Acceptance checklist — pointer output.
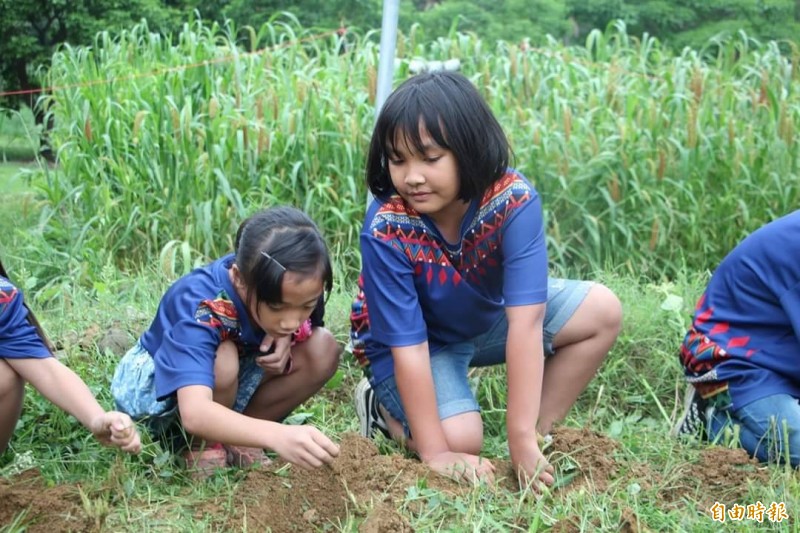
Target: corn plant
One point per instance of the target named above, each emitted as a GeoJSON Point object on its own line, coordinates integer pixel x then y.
{"type": "Point", "coordinates": [184, 139]}
{"type": "Point", "coordinates": [646, 161]}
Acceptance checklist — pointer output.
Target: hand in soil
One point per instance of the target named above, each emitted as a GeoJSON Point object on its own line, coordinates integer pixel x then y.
{"type": "Point", "coordinates": [305, 446]}
{"type": "Point", "coordinates": [277, 354]}
{"type": "Point", "coordinates": [463, 467]}
{"type": "Point", "coordinates": [533, 469]}
{"type": "Point", "coordinates": [117, 429]}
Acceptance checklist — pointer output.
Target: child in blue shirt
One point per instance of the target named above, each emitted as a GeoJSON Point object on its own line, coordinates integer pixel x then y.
{"type": "Point", "coordinates": [742, 354]}
{"type": "Point", "coordinates": [235, 346]}
{"type": "Point", "coordinates": [26, 356]}
{"type": "Point", "coordinates": [454, 274]}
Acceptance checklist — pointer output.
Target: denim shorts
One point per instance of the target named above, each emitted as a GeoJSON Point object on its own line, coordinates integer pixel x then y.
{"type": "Point", "coordinates": [761, 428]}
{"type": "Point", "coordinates": [134, 391]}
{"type": "Point", "coordinates": [450, 365]}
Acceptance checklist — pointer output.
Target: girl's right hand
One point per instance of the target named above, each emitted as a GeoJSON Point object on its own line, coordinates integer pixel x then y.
{"type": "Point", "coordinates": [462, 467]}
{"type": "Point", "coordinates": [278, 361]}
{"type": "Point", "coordinates": [113, 428]}
{"type": "Point", "coordinates": [305, 446]}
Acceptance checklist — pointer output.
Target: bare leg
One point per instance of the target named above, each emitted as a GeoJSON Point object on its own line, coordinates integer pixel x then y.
{"type": "Point", "coordinates": [226, 382]}
{"type": "Point", "coordinates": [314, 363]}
{"type": "Point", "coordinates": [464, 432]}
{"type": "Point", "coordinates": [580, 348]}
{"type": "Point", "coordinates": [12, 391]}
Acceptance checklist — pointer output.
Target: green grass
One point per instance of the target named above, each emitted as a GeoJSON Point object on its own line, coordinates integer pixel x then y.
{"type": "Point", "coordinates": [632, 401]}
{"type": "Point", "coordinates": [19, 211]}
{"type": "Point", "coordinates": [16, 150]}
{"type": "Point", "coordinates": [11, 179]}
{"type": "Point", "coordinates": [18, 137]}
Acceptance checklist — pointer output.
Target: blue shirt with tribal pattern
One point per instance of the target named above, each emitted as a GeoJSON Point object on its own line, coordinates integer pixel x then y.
{"type": "Point", "coordinates": [416, 287]}
{"type": "Point", "coordinates": [745, 336]}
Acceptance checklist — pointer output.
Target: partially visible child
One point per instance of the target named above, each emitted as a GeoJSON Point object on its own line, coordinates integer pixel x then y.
{"type": "Point", "coordinates": [742, 354]}
{"type": "Point", "coordinates": [454, 274]}
{"type": "Point", "coordinates": [235, 346]}
{"type": "Point", "coordinates": [26, 356]}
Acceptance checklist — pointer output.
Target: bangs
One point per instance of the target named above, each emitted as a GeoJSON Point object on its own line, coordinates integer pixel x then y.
{"type": "Point", "coordinates": [298, 250]}
{"type": "Point", "coordinates": [270, 284]}
{"type": "Point", "coordinates": [402, 129]}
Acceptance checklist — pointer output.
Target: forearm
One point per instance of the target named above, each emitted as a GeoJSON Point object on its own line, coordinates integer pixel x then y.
{"type": "Point", "coordinates": [525, 362]}
{"type": "Point", "coordinates": [208, 420]}
{"type": "Point", "coordinates": [524, 391]}
{"type": "Point", "coordinates": [415, 385]}
{"type": "Point", "coordinates": [60, 385]}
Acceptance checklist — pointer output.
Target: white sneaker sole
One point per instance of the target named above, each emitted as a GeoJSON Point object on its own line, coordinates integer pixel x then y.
{"type": "Point", "coordinates": [362, 409]}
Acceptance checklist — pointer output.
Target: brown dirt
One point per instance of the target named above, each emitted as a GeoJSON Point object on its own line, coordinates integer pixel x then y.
{"type": "Point", "coordinates": [370, 487]}
{"type": "Point", "coordinates": [46, 509]}
{"type": "Point", "coordinates": [385, 519]}
{"type": "Point", "coordinates": [584, 454]}
{"type": "Point", "coordinates": [360, 482]}
{"type": "Point", "coordinates": [721, 475]}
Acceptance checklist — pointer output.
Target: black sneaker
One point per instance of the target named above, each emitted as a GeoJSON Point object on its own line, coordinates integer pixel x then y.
{"type": "Point", "coordinates": [368, 413]}
{"type": "Point", "coordinates": [694, 420]}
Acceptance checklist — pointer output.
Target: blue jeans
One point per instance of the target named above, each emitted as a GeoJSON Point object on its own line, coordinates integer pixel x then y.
{"type": "Point", "coordinates": [450, 365]}
{"type": "Point", "coordinates": [761, 428]}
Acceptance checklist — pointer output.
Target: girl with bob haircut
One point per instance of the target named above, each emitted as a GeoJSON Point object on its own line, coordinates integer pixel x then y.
{"type": "Point", "coordinates": [235, 346]}
{"type": "Point", "coordinates": [454, 275]}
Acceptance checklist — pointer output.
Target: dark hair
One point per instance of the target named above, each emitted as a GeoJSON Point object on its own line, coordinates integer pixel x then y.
{"type": "Point", "coordinates": [456, 117]}
{"type": "Point", "coordinates": [277, 240]}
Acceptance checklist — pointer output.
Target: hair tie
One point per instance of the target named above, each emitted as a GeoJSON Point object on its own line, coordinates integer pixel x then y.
{"type": "Point", "coordinates": [273, 260]}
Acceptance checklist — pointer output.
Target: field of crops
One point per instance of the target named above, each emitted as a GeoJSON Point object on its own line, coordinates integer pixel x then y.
{"type": "Point", "coordinates": [648, 163]}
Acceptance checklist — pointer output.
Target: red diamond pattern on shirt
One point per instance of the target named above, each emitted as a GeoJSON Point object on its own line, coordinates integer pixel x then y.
{"type": "Point", "coordinates": [737, 342]}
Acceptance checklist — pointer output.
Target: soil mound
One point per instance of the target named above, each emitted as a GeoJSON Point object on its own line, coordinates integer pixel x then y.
{"type": "Point", "coordinates": [27, 499]}
{"type": "Point", "coordinates": [367, 488]}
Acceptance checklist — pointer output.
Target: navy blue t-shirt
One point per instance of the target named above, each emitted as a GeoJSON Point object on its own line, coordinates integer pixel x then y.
{"type": "Point", "coordinates": [745, 337]}
{"type": "Point", "coordinates": [18, 338]}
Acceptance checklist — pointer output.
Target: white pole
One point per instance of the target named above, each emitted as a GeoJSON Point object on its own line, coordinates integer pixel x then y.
{"type": "Point", "coordinates": [391, 13]}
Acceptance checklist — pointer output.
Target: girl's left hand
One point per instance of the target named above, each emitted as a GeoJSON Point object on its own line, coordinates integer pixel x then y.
{"type": "Point", "coordinates": [279, 361]}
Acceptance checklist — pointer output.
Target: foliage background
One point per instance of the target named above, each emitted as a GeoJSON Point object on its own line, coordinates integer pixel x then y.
{"type": "Point", "coordinates": [649, 162]}
{"type": "Point", "coordinates": [33, 29]}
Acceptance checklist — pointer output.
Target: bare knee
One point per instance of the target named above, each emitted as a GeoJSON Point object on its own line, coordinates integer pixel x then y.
{"type": "Point", "coordinates": [464, 432]}
{"type": "Point", "coordinates": [607, 310]}
{"type": "Point", "coordinates": [317, 357]}
{"type": "Point", "coordinates": [597, 320]}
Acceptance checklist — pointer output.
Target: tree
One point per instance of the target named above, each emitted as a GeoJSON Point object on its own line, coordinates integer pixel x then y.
{"type": "Point", "coordinates": [508, 20]}
{"type": "Point", "coordinates": [328, 14]}
{"type": "Point", "coordinates": [34, 28]}
{"type": "Point", "coordinates": [681, 23]}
